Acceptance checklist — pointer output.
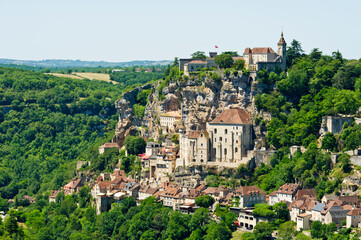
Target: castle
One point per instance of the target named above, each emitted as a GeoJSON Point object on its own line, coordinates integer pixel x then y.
{"type": "Point", "coordinates": [255, 59]}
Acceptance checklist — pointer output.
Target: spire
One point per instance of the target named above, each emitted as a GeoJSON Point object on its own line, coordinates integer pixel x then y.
{"type": "Point", "coordinates": [282, 40]}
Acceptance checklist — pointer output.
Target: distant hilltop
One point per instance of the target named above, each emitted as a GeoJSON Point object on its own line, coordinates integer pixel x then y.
{"type": "Point", "coordinates": [58, 63]}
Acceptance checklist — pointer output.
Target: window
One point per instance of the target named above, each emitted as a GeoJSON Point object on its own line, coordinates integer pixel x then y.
{"type": "Point", "coordinates": [201, 144]}
{"type": "Point", "coordinates": [220, 139]}
{"type": "Point", "coordinates": [201, 135]}
{"type": "Point", "coordinates": [225, 139]}
{"type": "Point", "coordinates": [225, 131]}
{"type": "Point", "coordinates": [215, 139]}
{"type": "Point", "coordinates": [215, 151]}
{"type": "Point", "coordinates": [215, 130]}
{"type": "Point", "coordinates": [225, 151]}
{"type": "Point", "coordinates": [202, 160]}
{"type": "Point", "coordinates": [236, 149]}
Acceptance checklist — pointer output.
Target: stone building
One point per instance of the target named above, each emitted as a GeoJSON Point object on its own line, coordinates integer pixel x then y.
{"type": "Point", "coordinates": [163, 163]}
{"type": "Point", "coordinates": [108, 146]}
{"type": "Point", "coordinates": [333, 124]}
{"type": "Point", "coordinates": [225, 143]}
{"type": "Point", "coordinates": [194, 147]}
{"type": "Point", "coordinates": [230, 136]}
{"type": "Point", "coordinates": [353, 218]}
{"type": "Point", "coordinates": [169, 120]}
{"type": "Point", "coordinates": [188, 65]}
{"type": "Point", "coordinates": [249, 196]}
{"type": "Point", "coordinates": [266, 58]}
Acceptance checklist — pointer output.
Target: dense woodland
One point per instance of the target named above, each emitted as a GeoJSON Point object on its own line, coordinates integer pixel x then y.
{"type": "Point", "coordinates": [48, 122]}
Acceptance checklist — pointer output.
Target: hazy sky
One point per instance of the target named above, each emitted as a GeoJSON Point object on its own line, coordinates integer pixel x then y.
{"type": "Point", "coordinates": [120, 30]}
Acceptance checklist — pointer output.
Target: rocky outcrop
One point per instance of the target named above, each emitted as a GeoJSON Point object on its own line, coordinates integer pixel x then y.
{"type": "Point", "coordinates": [200, 100]}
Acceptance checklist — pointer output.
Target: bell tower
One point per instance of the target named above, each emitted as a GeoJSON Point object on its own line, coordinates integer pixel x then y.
{"type": "Point", "coordinates": [282, 51]}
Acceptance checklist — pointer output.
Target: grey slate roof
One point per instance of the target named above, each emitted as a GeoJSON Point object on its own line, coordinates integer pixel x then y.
{"type": "Point", "coordinates": [319, 207]}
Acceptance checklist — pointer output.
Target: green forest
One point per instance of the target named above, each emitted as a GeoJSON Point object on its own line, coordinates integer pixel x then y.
{"type": "Point", "coordinates": [46, 124]}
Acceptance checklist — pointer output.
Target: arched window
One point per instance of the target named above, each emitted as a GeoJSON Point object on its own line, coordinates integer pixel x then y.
{"type": "Point", "coordinates": [236, 149]}
{"type": "Point", "coordinates": [225, 151]}
{"type": "Point", "coordinates": [220, 139]}
{"type": "Point", "coordinates": [225, 131]}
{"type": "Point", "coordinates": [215, 130]}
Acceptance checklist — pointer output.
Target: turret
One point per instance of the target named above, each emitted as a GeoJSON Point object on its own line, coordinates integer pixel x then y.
{"type": "Point", "coordinates": [282, 51]}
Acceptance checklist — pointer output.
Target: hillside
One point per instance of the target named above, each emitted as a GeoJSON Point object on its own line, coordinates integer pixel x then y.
{"type": "Point", "coordinates": [46, 123]}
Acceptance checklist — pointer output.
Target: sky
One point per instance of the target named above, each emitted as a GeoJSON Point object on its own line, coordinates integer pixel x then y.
{"type": "Point", "coordinates": [119, 30]}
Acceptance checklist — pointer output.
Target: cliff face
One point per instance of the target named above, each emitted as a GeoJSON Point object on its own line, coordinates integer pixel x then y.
{"type": "Point", "coordinates": [200, 101]}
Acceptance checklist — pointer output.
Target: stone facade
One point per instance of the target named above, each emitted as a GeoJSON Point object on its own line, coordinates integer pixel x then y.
{"type": "Point", "coordinates": [194, 147]}
{"type": "Point", "coordinates": [333, 124]}
{"type": "Point", "coordinates": [225, 143]}
{"type": "Point", "coordinates": [265, 58]}
{"type": "Point", "coordinates": [169, 119]}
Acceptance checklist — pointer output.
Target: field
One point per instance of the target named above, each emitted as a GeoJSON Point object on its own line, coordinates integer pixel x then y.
{"type": "Point", "coordinates": [91, 76]}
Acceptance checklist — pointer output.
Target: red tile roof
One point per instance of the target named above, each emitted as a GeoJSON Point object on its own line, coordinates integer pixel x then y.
{"type": "Point", "coordinates": [259, 50]}
{"type": "Point", "coordinates": [198, 62]}
{"type": "Point", "coordinates": [248, 190]}
{"type": "Point", "coordinates": [232, 116]}
{"type": "Point", "coordinates": [110, 145]}
{"type": "Point", "coordinates": [194, 134]}
{"type": "Point", "coordinates": [354, 212]}
{"type": "Point", "coordinates": [288, 188]}
{"type": "Point", "coordinates": [303, 193]}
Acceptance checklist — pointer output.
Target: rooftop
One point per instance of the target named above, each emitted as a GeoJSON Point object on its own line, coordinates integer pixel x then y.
{"type": "Point", "coordinates": [232, 116]}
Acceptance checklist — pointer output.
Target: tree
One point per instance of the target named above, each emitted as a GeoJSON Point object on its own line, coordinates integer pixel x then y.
{"type": "Point", "coordinates": [224, 60]}
{"type": "Point", "coordinates": [329, 142]}
{"type": "Point", "coordinates": [294, 51]}
{"type": "Point", "coordinates": [281, 210]}
{"type": "Point", "coordinates": [232, 53]}
{"type": "Point", "coordinates": [263, 230]}
{"type": "Point", "coordinates": [135, 145]}
{"type": "Point", "coordinates": [317, 230]}
{"type": "Point", "coordinates": [353, 140]}
{"type": "Point", "coordinates": [199, 219]}
{"type": "Point", "coordinates": [204, 201]}
{"type": "Point", "coordinates": [198, 55]}
{"type": "Point", "coordinates": [218, 232]}
{"type": "Point", "coordinates": [287, 231]}
{"type": "Point", "coordinates": [239, 64]}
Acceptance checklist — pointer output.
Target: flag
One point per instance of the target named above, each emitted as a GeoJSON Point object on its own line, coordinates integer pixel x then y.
{"type": "Point", "coordinates": [216, 46]}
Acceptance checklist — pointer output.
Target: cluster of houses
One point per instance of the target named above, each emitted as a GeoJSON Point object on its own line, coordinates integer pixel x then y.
{"type": "Point", "coordinates": [303, 206]}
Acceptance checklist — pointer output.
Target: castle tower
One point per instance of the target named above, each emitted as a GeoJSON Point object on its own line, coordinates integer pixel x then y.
{"type": "Point", "coordinates": [282, 51]}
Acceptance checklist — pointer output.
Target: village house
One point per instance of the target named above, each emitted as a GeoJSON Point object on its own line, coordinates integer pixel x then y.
{"type": "Point", "coordinates": [169, 120]}
{"type": "Point", "coordinates": [284, 193]}
{"type": "Point", "coordinates": [108, 146]}
{"type": "Point", "coordinates": [248, 196]}
{"type": "Point", "coordinates": [301, 206]}
{"type": "Point", "coordinates": [146, 191]}
{"type": "Point", "coordinates": [164, 163]}
{"type": "Point", "coordinates": [73, 186]}
{"type": "Point", "coordinates": [353, 218]}
{"type": "Point", "coordinates": [246, 220]}
{"type": "Point", "coordinates": [52, 196]}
